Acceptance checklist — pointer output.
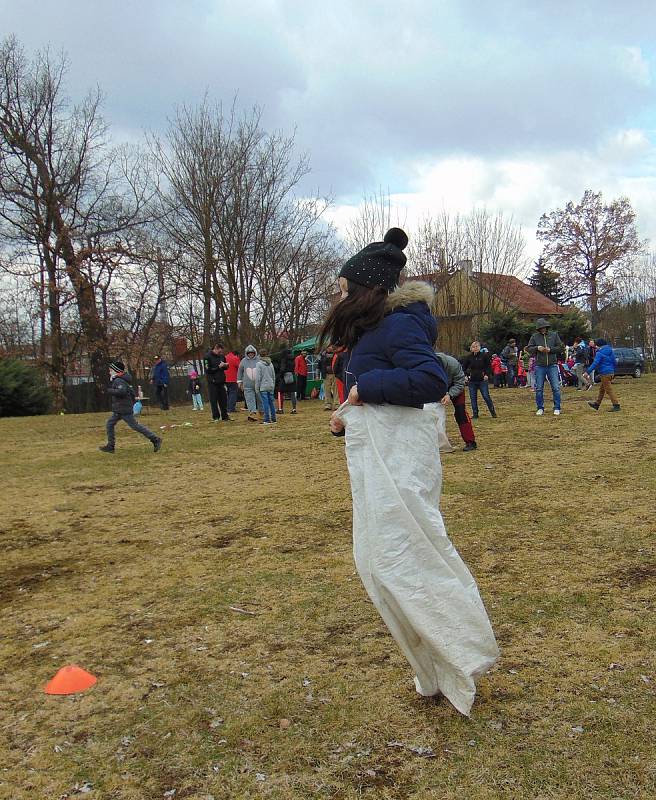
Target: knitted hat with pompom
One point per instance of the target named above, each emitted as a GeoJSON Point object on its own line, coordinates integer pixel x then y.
{"type": "Point", "coordinates": [379, 263]}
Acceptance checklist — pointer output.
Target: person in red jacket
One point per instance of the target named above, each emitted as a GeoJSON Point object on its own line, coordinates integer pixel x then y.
{"type": "Point", "coordinates": [339, 367]}
{"type": "Point", "coordinates": [231, 379]}
{"type": "Point", "coordinates": [301, 370]}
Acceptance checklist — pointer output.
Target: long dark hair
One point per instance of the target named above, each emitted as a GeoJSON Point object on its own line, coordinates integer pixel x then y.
{"type": "Point", "coordinates": [361, 310]}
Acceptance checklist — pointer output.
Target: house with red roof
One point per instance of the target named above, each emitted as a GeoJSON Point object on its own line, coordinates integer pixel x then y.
{"type": "Point", "coordinates": [465, 298]}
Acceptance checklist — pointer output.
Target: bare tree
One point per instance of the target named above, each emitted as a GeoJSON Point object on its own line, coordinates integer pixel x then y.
{"type": "Point", "coordinates": [374, 217]}
{"type": "Point", "coordinates": [64, 194]}
{"type": "Point", "coordinates": [592, 245]}
{"type": "Point", "coordinates": [230, 194]}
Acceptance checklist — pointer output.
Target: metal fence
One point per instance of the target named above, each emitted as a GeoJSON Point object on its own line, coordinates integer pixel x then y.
{"type": "Point", "coordinates": [80, 398]}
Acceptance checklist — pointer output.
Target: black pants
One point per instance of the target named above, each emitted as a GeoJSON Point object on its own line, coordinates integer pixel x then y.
{"type": "Point", "coordinates": [162, 393]}
{"type": "Point", "coordinates": [301, 383]}
{"type": "Point", "coordinates": [218, 399]}
{"type": "Point", "coordinates": [132, 422]}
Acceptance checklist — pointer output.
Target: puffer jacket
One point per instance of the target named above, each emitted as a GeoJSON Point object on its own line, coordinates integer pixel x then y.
{"type": "Point", "coordinates": [122, 394]}
{"type": "Point", "coordinates": [604, 361]}
{"type": "Point", "coordinates": [395, 362]}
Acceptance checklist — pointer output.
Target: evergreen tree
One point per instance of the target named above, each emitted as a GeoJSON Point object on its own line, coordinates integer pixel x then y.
{"type": "Point", "coordinates": [23, 391]}
{"type": "Point", "coordinates": [571, 324]}
{"type": "Point", "coordinates": [546, 281]}
{"type": "Point", "coordinates": [501, 326]}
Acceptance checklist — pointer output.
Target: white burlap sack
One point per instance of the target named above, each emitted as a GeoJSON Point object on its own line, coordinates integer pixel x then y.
{"type": "Point", "coordinates": [442, 436]}
{"type": "Point", "coordinates": [411, 571]}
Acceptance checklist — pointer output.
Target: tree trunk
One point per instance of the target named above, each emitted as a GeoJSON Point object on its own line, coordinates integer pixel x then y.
{"type": "Point", "coordinates": [93, 330]}
{"type": "Point", "coordinates": [56, 367]}
{"type": "Point", "coordinates": [594, 304]}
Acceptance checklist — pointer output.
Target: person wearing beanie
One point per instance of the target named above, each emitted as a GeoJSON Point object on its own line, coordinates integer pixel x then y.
{"type": "Point", "coordinates": [123, 398]}
{"type": "Point", "coordinates": [605, 364]}
{"type": "Point", "coordinates": [391, 421]}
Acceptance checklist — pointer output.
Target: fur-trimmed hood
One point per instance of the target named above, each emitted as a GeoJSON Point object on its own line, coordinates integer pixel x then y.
{"type": "Point", "coordinates": [411, 292]}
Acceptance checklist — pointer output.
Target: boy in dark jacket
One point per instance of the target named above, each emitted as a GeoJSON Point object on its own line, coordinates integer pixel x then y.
{"type": "Point", "coordinates": [122, 407]}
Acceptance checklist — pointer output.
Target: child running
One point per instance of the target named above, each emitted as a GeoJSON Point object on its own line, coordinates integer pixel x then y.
{"type": "Point", "coordinates": [413, 574]}
{"type": "Point", "coordinates": [122, 407]}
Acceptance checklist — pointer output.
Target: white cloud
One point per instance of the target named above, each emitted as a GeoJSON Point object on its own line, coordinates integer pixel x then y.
{"type": "Point", "coordinates": [633, 62]}
{"type": "Point", "coordinates": [526, 187]}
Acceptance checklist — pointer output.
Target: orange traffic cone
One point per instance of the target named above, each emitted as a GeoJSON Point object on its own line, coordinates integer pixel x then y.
{"type": "Point", "coordinates": [69, 680]}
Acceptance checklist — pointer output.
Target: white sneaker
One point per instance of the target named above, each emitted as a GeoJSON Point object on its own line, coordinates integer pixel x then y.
{"type": "Point", "coordinates": [556, 412]}
{"type": "Point", "coordinates": [539, 412]}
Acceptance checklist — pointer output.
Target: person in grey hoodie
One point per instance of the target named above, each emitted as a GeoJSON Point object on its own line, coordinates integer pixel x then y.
{"type": "Point", "coordinates": [246, 375]}
{"type": "Point", "coordinates": [265, 384]}
{"type": "Point", "coordinates": [456, 396]}
{"type": "Point", "coordinates": [546, 346]}
{"type": "Point", "coordinates": [122, 395]}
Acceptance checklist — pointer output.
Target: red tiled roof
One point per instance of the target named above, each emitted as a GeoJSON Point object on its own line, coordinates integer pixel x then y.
{"type": "Point", "coordinates": [518, 294]}
{"type": "Point", "coordinates": [511, 290]}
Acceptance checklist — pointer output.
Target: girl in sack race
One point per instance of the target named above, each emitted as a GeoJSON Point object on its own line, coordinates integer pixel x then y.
{"type": "Point", "coordinates": [394, 381]}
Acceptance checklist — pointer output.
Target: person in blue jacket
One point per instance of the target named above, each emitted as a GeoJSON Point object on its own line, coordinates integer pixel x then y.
{"type": "Point", "coordinates": [604, 364]}
{"type": "Point", "coordinates": [388, 330]}
{"type": "Point", "coordinates": [161, 380]}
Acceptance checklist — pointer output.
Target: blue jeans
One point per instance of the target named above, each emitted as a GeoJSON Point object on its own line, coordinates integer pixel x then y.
{"type": "Point", "coordinates": [269, 406]}
{"type": "Point", "coordinates": [551, 374]}
{"type": "Point", "coordinates": [197, 401]}
{"type": "Point", "coordinates": [483, 388]}
{"type": "Point", "coordinates": [510, 376]}
{"type": "Point", "coordinates": [232, 397]}
{"type": "Point", "coordinates": [132, 422]}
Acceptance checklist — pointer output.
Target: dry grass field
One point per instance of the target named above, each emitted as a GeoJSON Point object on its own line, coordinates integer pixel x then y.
{"type": "Point", "coordinates": [139, 566]}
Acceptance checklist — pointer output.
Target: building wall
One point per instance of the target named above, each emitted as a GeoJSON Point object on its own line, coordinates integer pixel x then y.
{"type": "Point", "coordinates": [650, 338]}
{"type": "Point", "coordinates": [461, 307]}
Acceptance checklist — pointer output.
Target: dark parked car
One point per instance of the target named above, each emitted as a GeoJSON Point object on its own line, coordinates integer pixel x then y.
{"type": "Point", "coordinates": [629, 361]}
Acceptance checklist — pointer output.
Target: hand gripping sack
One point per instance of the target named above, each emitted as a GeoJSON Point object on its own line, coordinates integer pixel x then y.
{"type": "Point", "coordinates": [413, 574]}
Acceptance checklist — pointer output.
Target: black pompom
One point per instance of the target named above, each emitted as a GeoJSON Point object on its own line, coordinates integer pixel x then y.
{"type": "Point", "coordinates": [396, 236]}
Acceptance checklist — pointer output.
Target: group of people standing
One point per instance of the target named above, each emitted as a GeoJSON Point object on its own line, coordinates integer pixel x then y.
{"type": "Point", "coordinates": [263, 387]}
{"type": "Point", "coordinates": [544, 359]}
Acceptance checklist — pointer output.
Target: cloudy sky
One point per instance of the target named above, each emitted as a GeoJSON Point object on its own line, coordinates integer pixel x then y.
{"type": "Point", "coordinates": [448, 104]}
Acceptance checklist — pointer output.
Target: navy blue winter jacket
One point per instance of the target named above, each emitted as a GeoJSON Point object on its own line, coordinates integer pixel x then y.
{"type": "Point", "coordinates": [395, 363]}
{"type": "Point", "coordinates": [604, 361]}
